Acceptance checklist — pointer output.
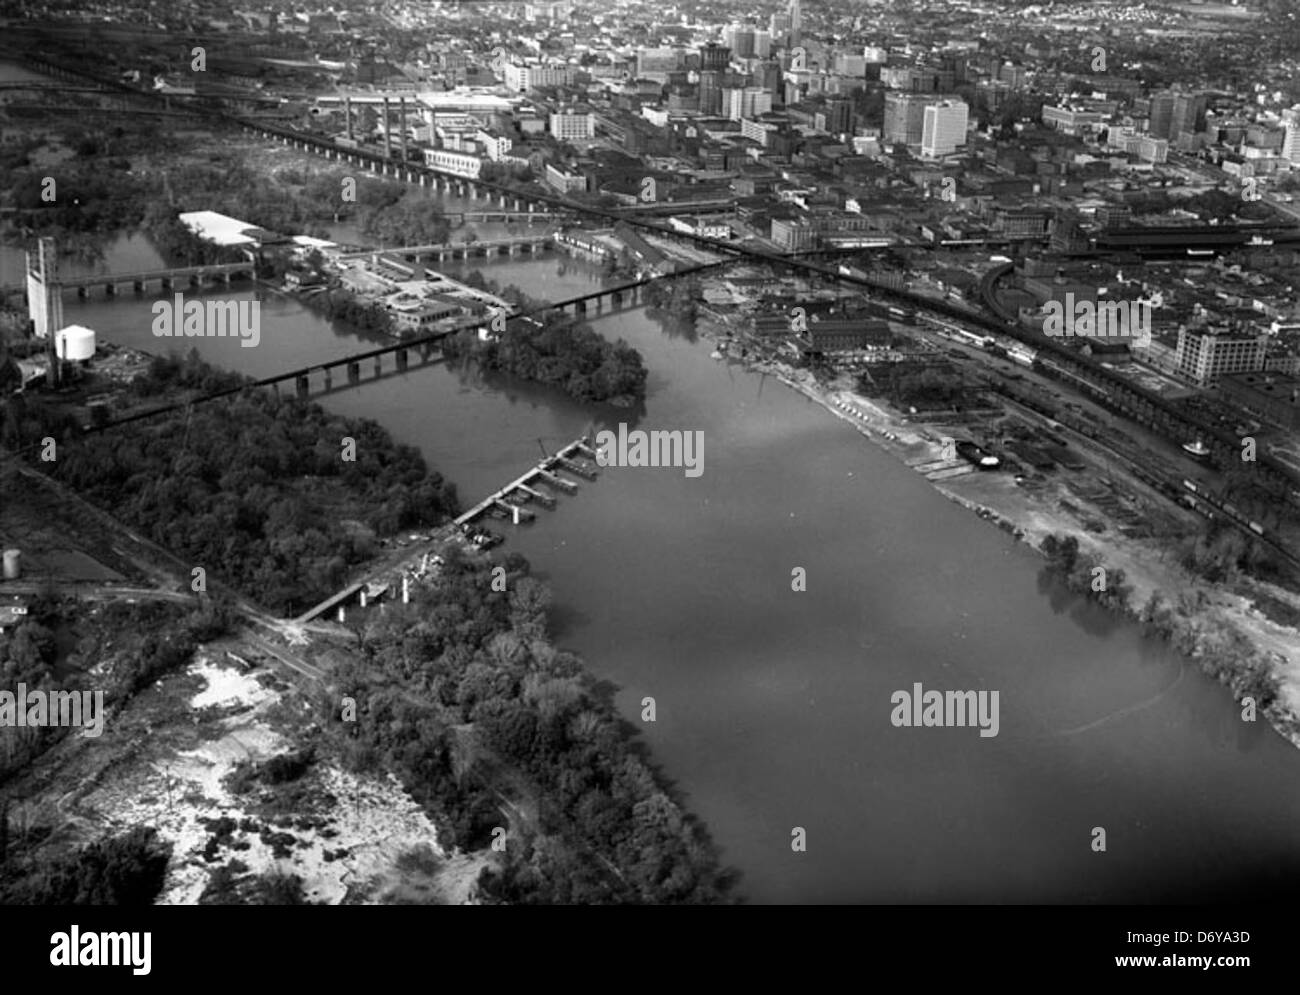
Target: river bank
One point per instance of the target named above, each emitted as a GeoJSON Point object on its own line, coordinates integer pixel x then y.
{"type": "Point", "coordinates": [1032, 515]}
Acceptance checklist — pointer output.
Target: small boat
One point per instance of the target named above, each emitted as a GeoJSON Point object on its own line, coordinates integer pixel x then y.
{"type": "Point", "coordinates": [715, 354]}
{"type": "Point", "coordinates": [1198, 449]}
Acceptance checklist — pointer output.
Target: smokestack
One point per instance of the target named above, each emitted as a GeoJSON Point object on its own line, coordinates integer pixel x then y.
{"type": "Point", "coordinates": [401, 123]}
{"type": "Point", "coordinates": [388, 151]}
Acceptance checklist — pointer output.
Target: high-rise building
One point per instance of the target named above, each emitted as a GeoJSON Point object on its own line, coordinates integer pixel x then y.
{"type": "Point", "coordinates": [796, 22]}
{"type": "Point", "coordinates": [1205, 355]}
{"type": "Point", "coordinates": [741, 39]}
{"type": "Point", "coordinates": [779, 27]}
{"type": "Point", "coordinates": [1013, 75]}
{"type": "Point", "coordinates": [1189, 114]}
{"type": "Point", "coordinates": [768, 76]}
{"type": "Point", "coordinates": [1161, 115]}
{"type": "Point", "coordinates": [762, 43]}
{"type": "Point", "coordinates": [905, 117]}
{"type": "Point", "coordinates": [714, 58]}
{"type": "Point", "coordinates": [943, 129]}
{"type": "Point", "coordinates": [839, 116]}
{"type": "Point", "coordinates": [747, 101]}
{"type": "Point", "coordinates": [1291, 137]}
{"type": "Point", "coordinates": [710, 92]}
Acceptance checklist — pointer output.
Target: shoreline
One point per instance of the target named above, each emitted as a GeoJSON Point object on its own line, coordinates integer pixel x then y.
{"type": "Point", "coordinates": [903, 440]}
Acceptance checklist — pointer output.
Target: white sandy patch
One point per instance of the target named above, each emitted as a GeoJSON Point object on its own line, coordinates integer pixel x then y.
{"type": "Point", "coordinates": [226, 686]}
{"type": "Point", "coordinates": [373, 820]}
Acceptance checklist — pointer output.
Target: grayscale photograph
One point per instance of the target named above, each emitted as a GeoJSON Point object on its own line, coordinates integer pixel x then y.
{"type": "Point", "coordinates": [605, 452]}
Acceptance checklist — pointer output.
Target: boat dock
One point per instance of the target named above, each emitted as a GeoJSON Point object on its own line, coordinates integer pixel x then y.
{"type": "Point", "coordinates": [511, 498]}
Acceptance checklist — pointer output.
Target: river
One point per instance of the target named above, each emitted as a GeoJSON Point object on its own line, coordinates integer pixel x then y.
{"type": "Point", "coordinates": [772, 705]}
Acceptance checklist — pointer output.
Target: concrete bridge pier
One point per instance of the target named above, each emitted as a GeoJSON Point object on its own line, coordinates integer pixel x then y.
{"type": "Point", "coordinates": [354, 373]}
{"type": "Point", "coordinates": [304, 386]}
{"type": "Point", "coordinates": [401, 359]}
{"type": "Point", "coordinates": [379, 365]}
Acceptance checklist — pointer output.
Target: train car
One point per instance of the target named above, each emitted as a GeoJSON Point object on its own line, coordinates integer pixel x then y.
{"type": "Point", "coordinates": [1257, 528]}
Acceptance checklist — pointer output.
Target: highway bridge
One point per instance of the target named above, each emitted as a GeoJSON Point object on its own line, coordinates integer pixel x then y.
{"type": "Point", "coordinates": [166, 278]}
{"type": "Point", "coordinates": [1112, 389]}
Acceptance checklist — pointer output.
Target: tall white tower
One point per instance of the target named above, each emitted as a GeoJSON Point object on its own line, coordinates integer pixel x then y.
{"type": "Point", "coordinates": [44, 298]}
{"type": "Point", "coordinates": [1291, 141]}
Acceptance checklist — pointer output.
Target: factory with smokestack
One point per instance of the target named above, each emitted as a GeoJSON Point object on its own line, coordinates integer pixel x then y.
{"type": "Point", "coordinates": [67, 347]}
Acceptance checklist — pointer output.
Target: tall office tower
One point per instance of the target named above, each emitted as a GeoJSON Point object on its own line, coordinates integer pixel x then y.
{"type": "Point", "coordinates": [714, 58]}
{"type": "Point", "coordinates": [44, 298]}
{"type": "Point", "coordinates": [796, 22]}
{"type": "Point", "coordinates": [762, 43]}
{"type": "Point", "coordinates": [743, 102]}
{"type": "Point", "coordinates": [1291, 141]}
{"type": "Point", "coordinates": [943, 131]}
{"type": "Point", "coordinates": [1162, 114]}
{"type": "Point", "coordinates": [839, 115]}
{"type": "Point", "coordinates": [778, 25]}
{"type": "Point", "coordinates": [1189, 114]}
{"type": "Point", "coordinates": [1012, 74]}
{"type": "Point", "coordinates": [710, 92]}
{"type": "Point", "coordinates": [768, 76]}
{"type": "Point", "coordinates": [905, 117]}
{"type": "Point", "coordinates": [741, 39]}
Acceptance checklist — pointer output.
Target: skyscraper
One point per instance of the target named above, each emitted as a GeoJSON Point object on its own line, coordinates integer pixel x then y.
{"type": "Point", "coordinates": [796, 22]}
{"type": "Point", "coordinates": [1162, 114]}
{"type": "Point", "coordinates": [714, 58]}
{"type": "Point", "coordinates": [710, 92]}
{"type": "Point", "coordinates": [905, 117]}
{"type": "Point", "coordinates": [1291, 138]}
{"type": "Point", "coordinates": [839, 115]}
{"type": "Point", "coordinates": [943, 131]}
{"type": "Point", "coordinates": [1189, 114]}
{"type": "Point", "coordinates": [741, 39]}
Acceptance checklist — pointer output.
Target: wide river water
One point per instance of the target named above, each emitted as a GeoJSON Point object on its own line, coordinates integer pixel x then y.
{"type": "Point", "coordinates": [773, 706]}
